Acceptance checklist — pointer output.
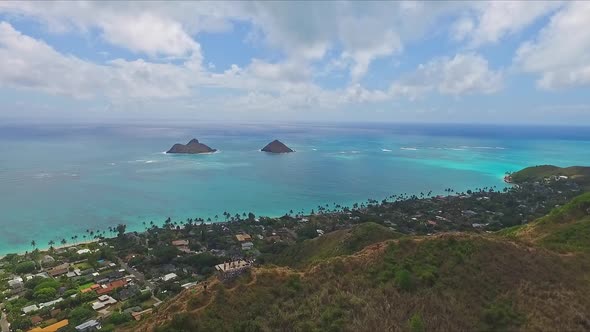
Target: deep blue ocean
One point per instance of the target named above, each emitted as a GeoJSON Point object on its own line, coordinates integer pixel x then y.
{"type": "Point", "coordinates": [58, 181]}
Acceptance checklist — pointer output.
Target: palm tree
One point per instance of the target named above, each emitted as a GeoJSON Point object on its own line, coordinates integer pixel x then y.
{"type": "Point", "coordinates": [33, 244]}
{"type": "Point", "coordinates": [63, 241]}
{"type": "Point", "coordinates": [51, 243]}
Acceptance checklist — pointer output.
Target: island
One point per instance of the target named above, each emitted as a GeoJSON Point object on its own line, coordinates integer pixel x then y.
{"type": "Point", "coordinates": [192, 147]}
{"type": "Point", "coordinates": [276, 146]}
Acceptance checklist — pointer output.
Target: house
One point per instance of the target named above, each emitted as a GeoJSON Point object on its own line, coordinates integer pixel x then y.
{"type": "Point", "coordinates": [50, 303]}
{"type": "Point", "coordinates": [36, 320]}
{"type": "Point", "coordinates": [83, 251]}
{"type": "Point", "coordinates": [52, 327]}
{"type": "Point", "coordinates": [180, 243]}
{"type": "Point", "coordinates": [30, 308]}
{"type": "Point", "coordinates": [103, 301]}
{"type": "Point", "coordinates": [169, 276]}
{"type": "Point", "coordinates": [247, 246]}
{"type": "Point", "coordinates": [89, 326]}
{"type": "Point", "coordinates": [243, 237]}
{"type": "Point", "coordinates": [16, 283]}
{"type": "Point", "coordinates": [104, 289]}
{"type": "Point", "coordinates": [469, 213]}
{"type": "Point", "coordinates": [59, 270]}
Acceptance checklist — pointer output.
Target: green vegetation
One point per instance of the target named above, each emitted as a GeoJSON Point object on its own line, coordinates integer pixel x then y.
{"type": "Point", "coordinates": [565, 229]}
{"type": "Point", "coordinates": [579, 174]}
{"type": "Point", "coordinates": [501, 316]}
{"type": "Point", "coordinates": [25, 267]}
{"type": "Point", "coordinates": [338, 243]}
{"type": "Point", "coordinates": [447, 282]}
{"type": "Point", "coordinates": [416, 324]}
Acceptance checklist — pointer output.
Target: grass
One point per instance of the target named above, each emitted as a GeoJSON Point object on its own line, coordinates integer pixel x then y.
{"type": "Point", "coordinates": [451, 282]}
{"type": "Point", "coordinates": [564, 229]}
{"type": "Point", "coordinates": [338, 243]}
{"type": "Point", "coordinates": [86, 285]}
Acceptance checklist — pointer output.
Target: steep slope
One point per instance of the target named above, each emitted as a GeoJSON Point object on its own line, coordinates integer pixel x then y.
{"type": "Point", "coordinates": [450, 282]}
{"type": "Point", "coordinates": [565, 229]}
{"type": "Point", "coordinates": [337, 243]}
{"type": "Point", "coordinates": [192, 147]}
{"type": "Point", "coordinates": [276, 146]}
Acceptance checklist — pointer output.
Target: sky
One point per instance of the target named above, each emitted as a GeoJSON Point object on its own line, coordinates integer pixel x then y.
{"type": "Point", "coordinates": [461, 62]}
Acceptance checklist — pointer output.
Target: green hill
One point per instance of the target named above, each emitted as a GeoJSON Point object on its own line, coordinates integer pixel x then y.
{"type": "Point", "coordinates": [337, 243]}
{"type": "Point", "coordinates": [565, 229]}
{"type": "Point", "coordinates": [447, 282]}
{"type": "Point", "coordinates": [579, 174]}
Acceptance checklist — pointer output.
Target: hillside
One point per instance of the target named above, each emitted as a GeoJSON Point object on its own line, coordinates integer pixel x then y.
{"type": "Point", "coordinates": [565, 229]}
{"type": "Point", "coordinates": [451, 282]}
{"type": "Point", "coordinates": [579, 174]}
{"type": "Point", "coordinates": [337, 243]}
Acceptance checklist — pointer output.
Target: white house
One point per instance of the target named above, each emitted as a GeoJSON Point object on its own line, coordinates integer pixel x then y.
{"type": "Point", "coordinates": [169, 277]}
{"type": "Point", "coordinates": [83, 251]}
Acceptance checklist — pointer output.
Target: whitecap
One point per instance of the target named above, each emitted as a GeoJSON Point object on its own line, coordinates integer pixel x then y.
{"type": "Point", "coordinates": [314, 149]}
{"type": "Point", "coordinates": [409, 149]}
{"type": "Point", "coordinates": [385, 150]}
{"type": "Point", "coordinates": [150, 161]}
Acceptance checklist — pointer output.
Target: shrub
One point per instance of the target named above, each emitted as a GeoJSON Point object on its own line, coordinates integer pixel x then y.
{"type": "Point", "coordinates": [403, 279]}
{"type": "Point", "coordinates": [416, 324]}
{"type": "Point", "coordinates": [500, 316]}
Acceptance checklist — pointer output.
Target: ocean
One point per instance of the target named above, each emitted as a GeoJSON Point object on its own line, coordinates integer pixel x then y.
{"type": "Point", "coordinates": [59, 181]}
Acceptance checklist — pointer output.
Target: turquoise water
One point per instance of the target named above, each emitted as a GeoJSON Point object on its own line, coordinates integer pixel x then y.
{"type": "Point", "coordinates": [57, 182]}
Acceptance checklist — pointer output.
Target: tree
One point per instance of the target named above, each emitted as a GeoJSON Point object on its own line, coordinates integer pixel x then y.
{"type": "Point", "coordinates": [51, 243]}
{"type": "Point", "coordinates": [63, 241]}
{"type": "Point", "coordinates": [33, 244]}
{"type": "Point", "coordinates": [25, 267]}
{"type": "Point", "coordinates": [121, 229]}
{"type": "Point", "coordinates": [45, 294]}
{"type": "Point", "coordinates": [80, 314]}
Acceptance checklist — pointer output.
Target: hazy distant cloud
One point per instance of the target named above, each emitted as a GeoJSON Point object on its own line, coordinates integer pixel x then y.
{"type": "Point", "coordinates": [461, 74]}
{"type": "Point", "coordinates": [488, 22]}
{"type": "Point", "coordinates": [561, 51]}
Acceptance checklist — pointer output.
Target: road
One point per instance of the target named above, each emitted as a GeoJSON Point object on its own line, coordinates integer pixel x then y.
{"type": "Point", "coordinates": [138, 275]}
{"type": "Point", "coordinates": [3, 323]}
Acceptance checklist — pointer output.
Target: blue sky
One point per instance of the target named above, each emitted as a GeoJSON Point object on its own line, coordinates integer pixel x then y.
{"type": "Point", "coordinates": [479, 62]}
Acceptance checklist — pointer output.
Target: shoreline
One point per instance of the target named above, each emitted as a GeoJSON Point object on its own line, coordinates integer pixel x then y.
{"type": "Point", "coordinates": [139, 228]}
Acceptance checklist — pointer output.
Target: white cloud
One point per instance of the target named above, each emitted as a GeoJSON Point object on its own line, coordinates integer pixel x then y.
{"type": "Point", "coordinates": [561, 51]}
{"type": "Point", "coordinates": [150, 34]}
{"type": "Point", "coordinates": [136, 28]}
{"type": "Point", "coordinates": [28, 63]}
{"type": "Point", "coordinates": [488, 22]}
{"type": "Point", "coordinates": [462, 74]}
